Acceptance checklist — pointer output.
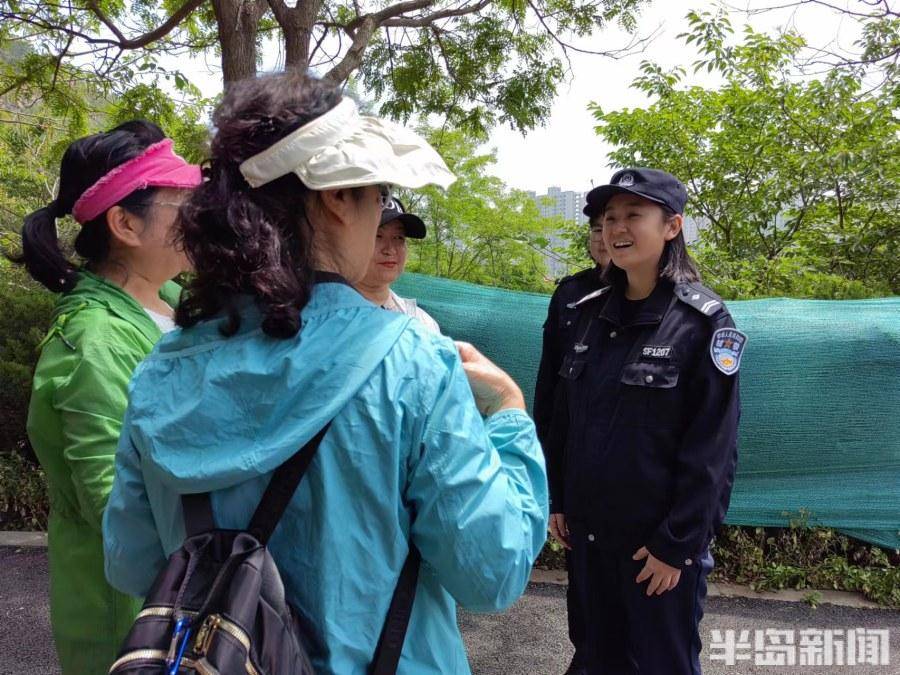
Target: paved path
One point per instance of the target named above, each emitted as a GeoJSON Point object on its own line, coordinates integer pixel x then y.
{"type": "Point", "coordinates": [530, 639]}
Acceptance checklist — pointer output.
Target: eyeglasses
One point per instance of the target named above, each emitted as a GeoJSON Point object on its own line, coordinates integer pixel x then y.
{"type": "Point", "coordinates": [384, 194]}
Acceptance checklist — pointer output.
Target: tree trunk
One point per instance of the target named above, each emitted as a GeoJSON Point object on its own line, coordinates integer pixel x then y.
{"type": "Point", "coordinates": [238, 22]}
{"type": "Point", "coordinates": [297, 24]}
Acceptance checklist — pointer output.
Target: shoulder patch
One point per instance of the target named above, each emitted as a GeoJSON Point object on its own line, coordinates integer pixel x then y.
{"type": "Point", "coordinates": [726, 348]}
{"type": "Point", "coordinates": [699, 297]}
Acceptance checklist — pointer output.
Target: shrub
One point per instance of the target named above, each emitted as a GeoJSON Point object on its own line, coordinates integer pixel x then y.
{"type": "Point", "coordinates": [25, 311]}
{"type": "Point", "coordinates": [23, 494]}
{"type": "Point", "coordinates": [805, 558]}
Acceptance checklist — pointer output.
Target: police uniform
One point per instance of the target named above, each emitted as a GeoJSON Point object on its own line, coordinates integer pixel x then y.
{"type": "Point", "coordinates": [650, 447]}
{"type": "Point", "coordinates": [559, 331]}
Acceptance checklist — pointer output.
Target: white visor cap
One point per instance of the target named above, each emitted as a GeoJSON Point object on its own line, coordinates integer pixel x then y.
{"type": "Point", "coordinates": [345, 149]}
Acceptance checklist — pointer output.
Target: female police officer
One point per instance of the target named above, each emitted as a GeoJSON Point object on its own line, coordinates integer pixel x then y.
{"type": "Point", "coordinates": [650, 431]}
{"type": "Point", "coordinates": [558, 332]}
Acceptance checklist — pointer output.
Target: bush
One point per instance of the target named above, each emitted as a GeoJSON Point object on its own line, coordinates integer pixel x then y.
{"type": "Point", "coordinates": [25, 312]}
{"type": "Point", "coordinates": [790, 277]}
{"type": "Point", "coordinates": [801, 558]}
{"type": "Point", "coordinates": [23, 494]}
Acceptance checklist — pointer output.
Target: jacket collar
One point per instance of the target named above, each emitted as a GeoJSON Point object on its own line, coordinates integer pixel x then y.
{"type": "Point", "coordinates": [94, 290]}
{"type": "Point", "coordinates": [652, 310]}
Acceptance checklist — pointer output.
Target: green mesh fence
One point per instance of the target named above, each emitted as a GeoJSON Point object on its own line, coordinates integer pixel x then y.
{"type": "Point", "coordinates": [820, 385]}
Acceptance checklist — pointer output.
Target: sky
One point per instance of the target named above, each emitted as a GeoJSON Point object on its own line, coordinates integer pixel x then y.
{"type": "Point", "coordinates": [566, 152]}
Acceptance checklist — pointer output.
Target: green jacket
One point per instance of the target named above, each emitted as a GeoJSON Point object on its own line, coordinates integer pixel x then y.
{"type": "Point", "coordinates": [98, 336]}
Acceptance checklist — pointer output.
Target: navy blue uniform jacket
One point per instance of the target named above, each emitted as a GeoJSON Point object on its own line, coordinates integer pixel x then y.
{"type": "Point", "coordinates": [559, 331]}
{"type": "Point", "coordinates": [645, 435]}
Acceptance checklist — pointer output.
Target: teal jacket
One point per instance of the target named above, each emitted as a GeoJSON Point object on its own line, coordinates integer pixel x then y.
{"type": "Point", "coordinates": [408, 458]}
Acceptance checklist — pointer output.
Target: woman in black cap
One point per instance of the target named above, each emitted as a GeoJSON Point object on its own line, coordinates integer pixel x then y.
{"type": "Point", "coordinates": [649, 435]}
{"type": "Point", "coordinates": [389, 260]}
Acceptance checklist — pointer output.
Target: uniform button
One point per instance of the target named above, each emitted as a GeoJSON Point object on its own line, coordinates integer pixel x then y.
{"type": "Point", "coordinates": [613, 334]}
{"type": "Point", "coordinates": [568, 323]}
{"type": "Point", "coordinates": [591, 537]}
{"type": "Point", "coordinates": [648, 379]}
{"type": "Point", "coordinates": [688, 562]}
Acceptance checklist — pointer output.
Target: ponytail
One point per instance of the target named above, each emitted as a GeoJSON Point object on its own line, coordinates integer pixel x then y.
{"type": "Point", "coordinates": [85, 162]}
{"type": "Point", "coordinates": [41, 253]}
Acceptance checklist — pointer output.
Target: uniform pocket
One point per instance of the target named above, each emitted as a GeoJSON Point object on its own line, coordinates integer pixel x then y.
{"type": "Point", "coordinates": [650, 375]}
{"type": "Point", "coordinates": [650, 395]}
{"type": "Point", "coordinates": [571, 368]}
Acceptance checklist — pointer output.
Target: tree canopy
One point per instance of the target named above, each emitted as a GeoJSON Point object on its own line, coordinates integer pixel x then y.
{"type": "Point", "coordinates": [794, 177]}
{"type": "Point", "coordinates": [475, 62]}
{"type": "Point", "coordinates": [479, 230]}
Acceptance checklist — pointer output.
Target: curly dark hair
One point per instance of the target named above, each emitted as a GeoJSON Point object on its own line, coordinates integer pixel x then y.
{"type": "Point", "coordinates": [252, 241]}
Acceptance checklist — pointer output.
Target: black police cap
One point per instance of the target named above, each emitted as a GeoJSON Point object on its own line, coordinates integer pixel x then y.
{"type": "Point", "coordinates": [413, 226]}
{"type": "Point", "coordinates": [653, 184]}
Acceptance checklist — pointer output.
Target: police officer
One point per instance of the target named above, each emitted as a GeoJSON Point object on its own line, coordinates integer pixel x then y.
{"type": "Point", "coordinates": [648, 434]}
{"type": "Point", "coordinates": [558, 331]}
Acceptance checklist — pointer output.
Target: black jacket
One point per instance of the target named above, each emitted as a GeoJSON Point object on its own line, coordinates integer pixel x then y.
{"type": "Point", "coordinates": [559, 329]}
{"type": "Point", "coordinates": [648, 430]}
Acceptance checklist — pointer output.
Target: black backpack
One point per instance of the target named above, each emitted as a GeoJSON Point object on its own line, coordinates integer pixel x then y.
{"type": "Point", "coordinates": [218, 606]}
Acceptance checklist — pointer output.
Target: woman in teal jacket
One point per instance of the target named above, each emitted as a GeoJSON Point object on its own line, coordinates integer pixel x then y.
{"type": "Point", "coordinates": [277, 344]}
{"type": "Point", "coordinates": [121, 187]}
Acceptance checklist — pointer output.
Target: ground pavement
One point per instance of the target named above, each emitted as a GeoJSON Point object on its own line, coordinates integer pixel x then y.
{"type": "Point", "coordinates": [530, 638]}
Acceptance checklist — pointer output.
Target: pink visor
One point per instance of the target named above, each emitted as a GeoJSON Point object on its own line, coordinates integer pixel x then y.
{"type": "Point", "coordinates": [157, 166]}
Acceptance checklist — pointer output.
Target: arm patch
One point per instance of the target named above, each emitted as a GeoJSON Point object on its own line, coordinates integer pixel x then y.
{"type": "Point", "coordinates": [726, 348]}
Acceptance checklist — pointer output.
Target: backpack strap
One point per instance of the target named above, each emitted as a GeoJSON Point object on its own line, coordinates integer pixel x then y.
{"type": "Point", "coordinates": [281, 489]}
{"type": "Point", "coordinates": [198, 514]}
{"type": "Point", "coordinates": [390, 644]}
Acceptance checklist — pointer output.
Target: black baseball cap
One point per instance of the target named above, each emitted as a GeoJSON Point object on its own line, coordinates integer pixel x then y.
{"type": "Point", "coordinates": [412, 224]}
{"type": "Point", "coordinates": [653, 184]}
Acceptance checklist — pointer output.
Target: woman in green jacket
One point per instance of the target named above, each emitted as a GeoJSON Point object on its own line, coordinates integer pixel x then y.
{"type": "Point", "coordinates": [124, 187]}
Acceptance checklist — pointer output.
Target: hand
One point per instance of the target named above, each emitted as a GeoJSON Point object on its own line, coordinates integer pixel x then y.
{"type": "Point", "coordinates": [559, 530]}
{"type": "Point", "coordinates": [493, 389]}
{"type": "Point", "coordinates": [662, 577]}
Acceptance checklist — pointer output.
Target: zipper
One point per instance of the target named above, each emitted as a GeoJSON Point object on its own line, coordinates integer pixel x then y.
{"type": "Point", "coordinates": [162, 611]}
{"type": "Point", "coordinates": [158, 655]}
{"type": "Point", "coordinates": [138, 655]}
{"type": "Point", "coordinates": [215, 622]}
{"type": "Point", "coordinates": [203, 641]}
{"type": "Point", "coordinates": [236, 632]}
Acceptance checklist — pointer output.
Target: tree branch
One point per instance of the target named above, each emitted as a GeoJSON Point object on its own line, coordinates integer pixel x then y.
{"type": "Point", "coordinates": [353, 58]}
{"type": "Point", "coordinates": [429, 19]}
{"type": "Point", "coordinates": [142, 41]}
{"type": "Point", "coordinates": [387, 13]}
{"type": "Point", "coordinates": [627, 50]}
{"type": "Point", "coordinates": [821, 3]}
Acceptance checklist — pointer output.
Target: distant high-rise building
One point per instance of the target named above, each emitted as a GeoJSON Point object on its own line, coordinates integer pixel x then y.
{"type": "Point", "coordinates": [563, 203]}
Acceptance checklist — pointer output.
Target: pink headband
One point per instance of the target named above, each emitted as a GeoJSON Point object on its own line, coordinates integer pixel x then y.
{"type": "Point", "coordinates": [157, 166]}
